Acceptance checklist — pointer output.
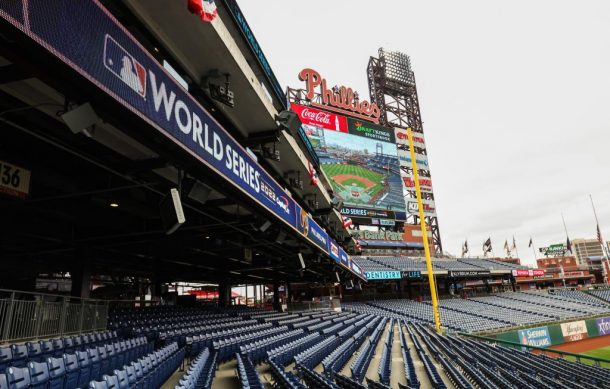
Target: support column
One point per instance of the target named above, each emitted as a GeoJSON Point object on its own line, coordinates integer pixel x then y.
{"type": "Point", "coordinates": [276, 296]}
{"type": "Point", "coordinates": [81, 276]}
{"type": "Point", "coordinates": [224, 294]}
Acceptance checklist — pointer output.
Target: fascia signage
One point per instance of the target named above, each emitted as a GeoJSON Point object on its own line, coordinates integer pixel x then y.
{"type": "Point", "coordinates": [260, 56]}
{"type": "Point", "coordinates": [428, 205]}
{"type": "Point", "coordinates": [14, 180]}
{"type": "Point", "coordinates": [378, 235]}
{"type": "Point", "coordinates": [322, 119]}
{"type": "Point", "coordinates": [356, 269]}
{"type": "Point", "coordinates": [369, 213]}
{"type": "Point", "coordinates": [311, 230]}
{"type": "Point", "coordinates": [369, 130]}
{"type": "Point", "coordinates": [333, 250]}
{"type": "Point", "coordinates": [107, 55]}
{"type": "Point", "coordinates": [527, 272]}
{"type": "Point", "coordinates": [468, 273]}
{"type": "Point", "coordinates": [537, 337]}
{"type": "Point", "coordinates": [344, 257]}
{"type": "Point", "coordinates": [382, 275]}
{"type": "Point", "coordinates": [411, 275]}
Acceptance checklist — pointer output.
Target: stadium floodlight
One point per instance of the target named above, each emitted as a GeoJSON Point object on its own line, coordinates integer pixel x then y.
{"type": "Point", "coordinates": [397, 66]}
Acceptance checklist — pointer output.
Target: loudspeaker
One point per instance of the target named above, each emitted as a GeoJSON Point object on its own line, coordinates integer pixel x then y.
{"type": "Point", "coordinates": [199, 192]}
{"type": "Point", "coordinates": [289, 120]}
{"type": "Point", "coordinates": [265, 226]}
{"type": "Point", "coordinates": [81, 118]}
{"type": "Point", "coordinates": [301, 260]}
{"type": "Point", "coordinates": [172, 214]}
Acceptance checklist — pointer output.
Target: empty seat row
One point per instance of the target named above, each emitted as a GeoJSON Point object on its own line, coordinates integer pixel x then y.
{"type": "Point", "coordinates": [200, 372]}
{"type": "Point", "coordinates": [248, 377]}
{"type": "Point", "coordinates": [19, 355]}
{"type": "Point", "coordinates": [75, 370]}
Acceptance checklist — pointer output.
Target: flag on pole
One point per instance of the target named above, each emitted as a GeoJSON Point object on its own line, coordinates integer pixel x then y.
{"type": "Point", "coordinates": [506, 248]}
{"type": "Point", "coordinates": [205, 9]}
{"type": "Point", "coordinates": [358, 246]}
{"type": "Point", "coordinates": [465, 248]}
{"type": "Point", "coordinates": [599, 236]}
{"type": "Point", "coordinates": [514, 244]}
{"type": "Point", "coordinates": [313, 175]}
{"type": "Point", "coordinates": [487, 246]}
{"type": "Point", "coordinates": [531, 243]}
{"type": "Point", "coordinates": [569, 245]}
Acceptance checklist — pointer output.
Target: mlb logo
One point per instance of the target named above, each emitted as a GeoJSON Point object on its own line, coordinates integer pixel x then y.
{"type": "Point", "coordinates": [124, 66]}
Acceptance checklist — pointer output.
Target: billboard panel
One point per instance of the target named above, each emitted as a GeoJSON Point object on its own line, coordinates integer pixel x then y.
{"type": "Point", "coordinates": [359, 158]}
{"type": "Point", "coordinates": [537, 337]}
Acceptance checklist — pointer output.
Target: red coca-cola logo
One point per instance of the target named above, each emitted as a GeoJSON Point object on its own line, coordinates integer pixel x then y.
{"type": "Point", "coordinates": [318, 118]}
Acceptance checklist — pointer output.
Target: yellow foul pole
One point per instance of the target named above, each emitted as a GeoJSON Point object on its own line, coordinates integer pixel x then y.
{"type": "Point", "coordinates": [424, 232]}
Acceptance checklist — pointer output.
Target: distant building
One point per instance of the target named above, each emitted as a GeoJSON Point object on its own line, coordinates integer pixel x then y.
{"type": "Point", "coordinates": [586, 248]}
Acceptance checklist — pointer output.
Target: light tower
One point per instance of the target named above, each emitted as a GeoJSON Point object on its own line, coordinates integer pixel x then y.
{"type": "Point", "coordinates": [392, 87]}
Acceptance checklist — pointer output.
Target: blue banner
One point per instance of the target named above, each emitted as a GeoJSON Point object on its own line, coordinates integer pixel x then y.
{"type": "Point", "coordinates": [344, 258]}
{"type": "Point", "coordinates": [537, 337]}
{"type": "Point", "coordinates": [317, 235]}
{"type": "Point", "coordinates": [333, 250]}
{"type": "Point", "coordinates": [383, 275]}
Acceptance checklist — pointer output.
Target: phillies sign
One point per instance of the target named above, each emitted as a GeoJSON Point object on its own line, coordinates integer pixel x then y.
{"type": "Point", "coordinates": [339, 99]}
{"type": "Point", "coordinates": [321, 119]}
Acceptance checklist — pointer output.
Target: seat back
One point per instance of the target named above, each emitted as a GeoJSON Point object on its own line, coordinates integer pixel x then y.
{"type": "Point", "coordinates": [20, 355]}
{"type": "Point", "coordinates": [72, 370]}
{"type": "Point", "coordinates": [39, 375]}
{"type": "Point", "coordinates": [98, 385]}
{"type": "Point", "coordinates": [112, 382]}
{"type": "Point", "coordinates": [6, 358]}
{"type": "Point", "coordinates": [68, 345]}
{"type": "Point", "coordinates": [131, 375]}
{"type": "Point", "coordinates": [85, 369]}
{"type": "Point", "coordinates": [3, 381]}
{"type": "Point", "coordinates": [58, 347]}
{"type": "Point", "coordinates": [34, 352]}
{"type": "Point", "coordinates": [46, 347]}
{"type": "Point", "coordinates": [18, 377]}
{"type": "Point", "coordinates": [57, 373]}
{"type": "Point", "coordinates": [95, 363]}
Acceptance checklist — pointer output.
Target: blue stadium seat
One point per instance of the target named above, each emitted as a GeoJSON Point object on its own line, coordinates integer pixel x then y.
{"type": "Point", "coordinates": [96, 366]}
{"type": "Point", "coordinates": [3, 381]}
{"type": "Point", "coordinates": [104, 361]}
{"type": "Point", "coordinates": [6, 358]}
{"type": "Point", "coordinates": [72, 371]}
{"type": "Point", "coordinates": [34, 352]}
{"type": "Point", "coordinates": [58, 348]}
{"type": "Point", "coordinates": [132, 379]}
{"type": "Point", "coordinates": [46, 347]}
{"type": "Point", "coordinates": [84, 363]}
{"type": "Point", "coordinates": [112, 381]}
{"type": "Point", "coordinates": [122, 379]}
{"type": "Point", "coordinates": [39, 375]}
{"type": "Point", "coordinates": [18, 377]}
{"type": "Point", "coordinates": [57, 373]}
{"type": "Point", "coordinates": [98, 385]}
{"type": "Point", "coordinates": [68, 345]}
{"type": "Point", "coordinates": [20, 355]}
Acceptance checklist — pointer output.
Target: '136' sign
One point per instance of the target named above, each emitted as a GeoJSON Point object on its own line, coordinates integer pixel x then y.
{"type": "Point", "coordinates": [14, 180]}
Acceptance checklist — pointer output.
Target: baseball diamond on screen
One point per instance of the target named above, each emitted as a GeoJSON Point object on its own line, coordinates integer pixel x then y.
{"type": "Point", "coordinates": [362, 171]}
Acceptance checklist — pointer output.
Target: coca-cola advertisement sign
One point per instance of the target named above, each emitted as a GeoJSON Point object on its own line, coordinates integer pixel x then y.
{"type": "Point", "coordinates": [321, 119]}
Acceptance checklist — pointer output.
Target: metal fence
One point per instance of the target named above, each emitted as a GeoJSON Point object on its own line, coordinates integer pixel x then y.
{"type": "Point", "coordinates": [26, 316]}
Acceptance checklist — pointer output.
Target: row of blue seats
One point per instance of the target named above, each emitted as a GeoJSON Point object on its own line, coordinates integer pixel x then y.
{"type": "Point", "coordinates": [149, 372]}
{"type": "Point", "coordinates": [283, 379]}
{"type": "Point", "coordinates": [361, 363]}
{"type": "Point", "coordinates": [410, 373]}
{"type": "Point", "coordinates": [200, 372]}
{"type": "Point", "coordinates": [227, 348]}
{"type": "Point", "coordinates": [431, 372]}
{"type": "Point", "coordinates": [316, 353]}
{"type": "Point", "coordinates": [73, 370]}
{"type": "Point", "coordinates": [248, 377]}
{"type": "Point", "coordinates": [338, 358]}
{"type": "Point", "coordinates": [19, 355]}
{"type": "Point", "coordinates": [257, 350]}
{"type": "Point", "coordinates": [385, 363]}
{"type": "Point", "coordinates": [315, 380]}
{"type": "Point", "coordinates": [284, 354]}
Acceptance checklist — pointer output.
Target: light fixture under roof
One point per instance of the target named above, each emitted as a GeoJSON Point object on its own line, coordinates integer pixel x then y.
{"type": "Point", "coordinates": [114, 205]}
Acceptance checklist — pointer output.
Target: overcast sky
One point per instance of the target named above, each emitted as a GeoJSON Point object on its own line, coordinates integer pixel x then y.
{"type": "Point", "coordinates": [515, 99]}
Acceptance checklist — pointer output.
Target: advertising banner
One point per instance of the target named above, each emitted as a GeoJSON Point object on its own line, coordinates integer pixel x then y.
{"type": "Point", "coordinates": [428, 205]}
{"type": "Point", "coordinates": [528, 272]}
{"type": "Point", "coordinates": [537, 337]}
{"type": "Point", "coordinates": [365, 212]}
{"type": "Point", "coordinates": [425, 183]}
{"type": "Point", "coordinates": [369, 130]}
{"type": "Point", "coordinates": [403, 139]}
{"type": "Point", "coordinates": [411, 275]}
{"type": "Point", "coordinates": [333, 250]}
{"type": "Point", "coordinates": [321, 119]}
{"type": "Point", "coordinates": [554, 249]}
{"type": "Point", "coordinates": [574, 331]}
{"type": "Point", "coordinates": [356, 269]}
{"type": "Point", "coordinates": [344, 257]}
{"type": "Point", "coordinates": [603, 325]}
{"type": "Point", "coordinates": [382, 275]}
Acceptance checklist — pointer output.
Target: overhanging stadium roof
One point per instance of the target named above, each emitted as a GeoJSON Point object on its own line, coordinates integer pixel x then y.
{"type": "Point", "coordinates": [129, 161]}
